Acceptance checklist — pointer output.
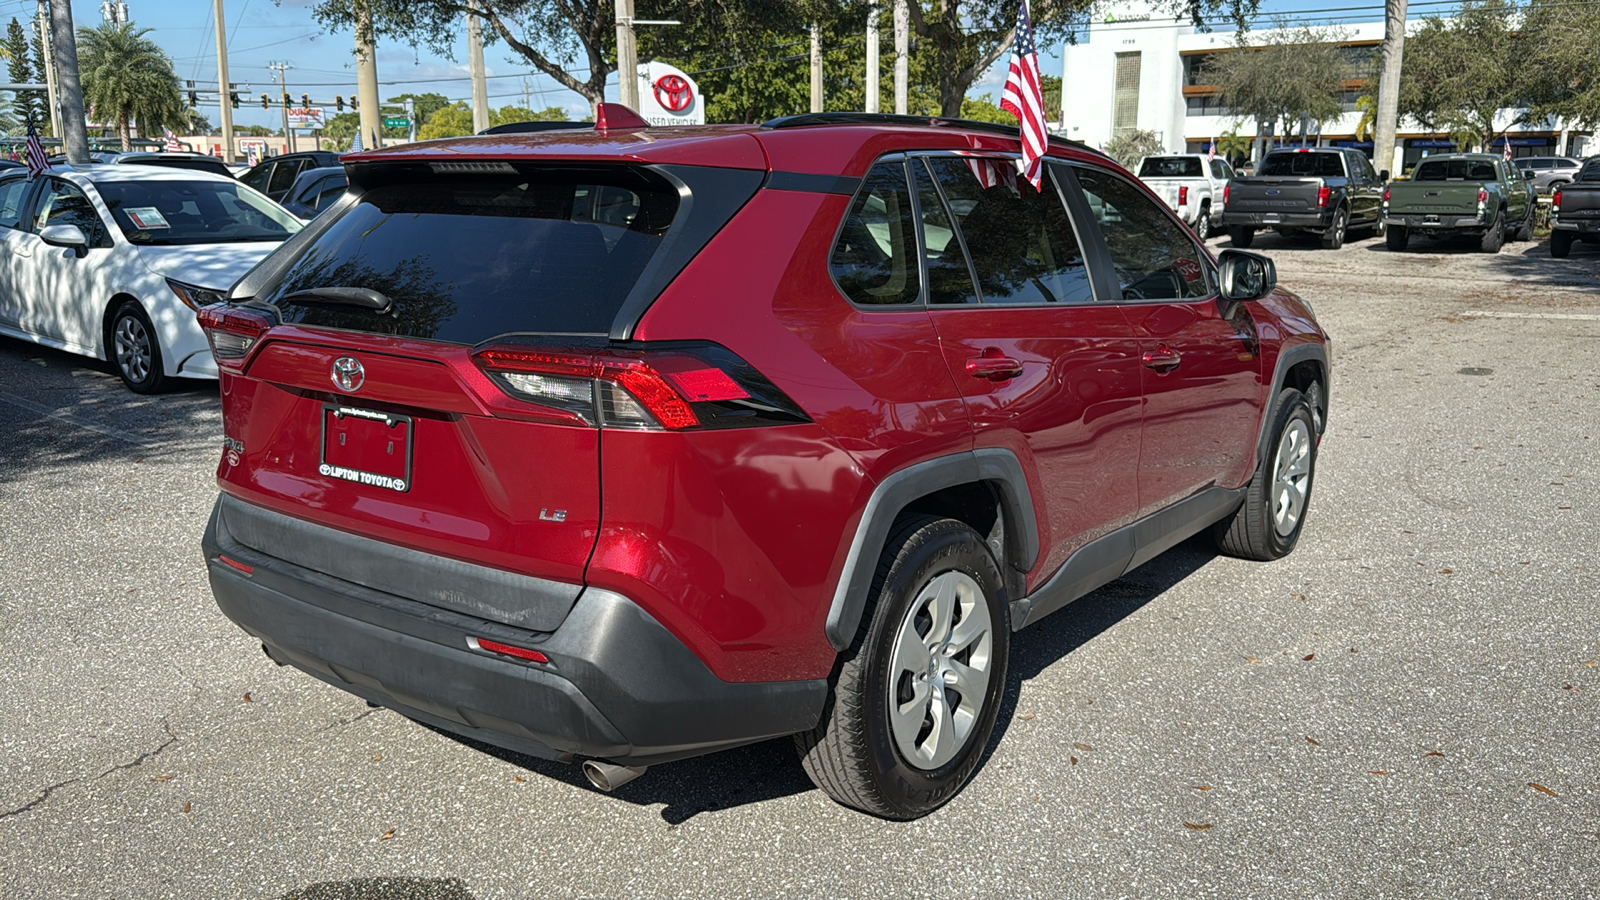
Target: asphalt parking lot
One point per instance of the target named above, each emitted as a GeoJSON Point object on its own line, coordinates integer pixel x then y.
{"type": "Point", "coordinates": [1408, 706]}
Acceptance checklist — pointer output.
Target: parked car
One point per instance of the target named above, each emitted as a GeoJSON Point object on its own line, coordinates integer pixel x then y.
{"type": "Point", "coordinates": [1328, 191]}
{"type": "Point", "coordinates": [112, 261]}
{"type": "Point", "coordinates": [275, 175]}
{"type": "Point", "coordinates": [1575, 210]}
{"type": "Point", "coordinates": [1548, 172]}
{"type": "Point", "coordinates": [315, 190]}
{"type": "Point", "coordinates": [197, 162]}
{"type": "Point", "coordinates": [1191, 183]}
{"type": "Point", "coordinates": [637, 444]}
{"type": "Point", "coordinates": [1461, 195]}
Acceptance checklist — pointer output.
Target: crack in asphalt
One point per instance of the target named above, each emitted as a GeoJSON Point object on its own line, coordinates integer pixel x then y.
{"type": "Point", "coordinates": [139, 760]}
{"type": "Point", "coordinates": [355, 718]}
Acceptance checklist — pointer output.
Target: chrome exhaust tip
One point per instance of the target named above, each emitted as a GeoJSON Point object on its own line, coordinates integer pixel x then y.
{"type": "Point", "coordinates": [610, 776]}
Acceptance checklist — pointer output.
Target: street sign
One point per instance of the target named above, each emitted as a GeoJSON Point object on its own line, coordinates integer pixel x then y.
{"type": "Point", "coordinates": [401, 122]}
{"type": "Point", "coordinates": [667, 96]}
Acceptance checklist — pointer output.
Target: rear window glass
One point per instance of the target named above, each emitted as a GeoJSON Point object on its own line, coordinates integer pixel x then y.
{"type": "Point", "coordinates": [1171, 167]}
{"type": "Point", "coordinates": [198, 165]}
{"type": "Point", "coordinates": [468, 257]}
{"type": "Point", "coordinates": [874, 260]}
{"type": "Point", "coordinates": [1454, 170]}
{"type": "Point", "coordinates": [1302, 165]}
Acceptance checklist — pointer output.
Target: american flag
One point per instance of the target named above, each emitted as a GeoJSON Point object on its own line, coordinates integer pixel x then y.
{"type": "Point", "coordinates": [173, 144]}
{"type": "Point", "coordinates": [1212, 154]}
{"type": "Point", "coordinates": [1024, 98]}
{"type": "Point", "coordinates": [1507, 154]}
{"type": "Point", "coordinates": [38, 160]}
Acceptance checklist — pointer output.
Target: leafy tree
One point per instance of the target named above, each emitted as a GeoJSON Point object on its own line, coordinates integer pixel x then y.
{"type": "Point", "coordinates": [25, 105]}
{"type": "Point", "coordinates": [195, 122]}
{"type": "Point", "coordinates": [254, 131]}
{"type": "Point", "coordinates": [1295, 76]}
{"type": "Point", "coordinates": [1558, 62]}
{"type": "Point", "coordinates": [126, 77]}
{"type": "Point", "coordinates": [455, 120]}
{"type": "Point", "coordinates": [1130, 146]}
{"type": "Point", "coordinates": [1459, 73]}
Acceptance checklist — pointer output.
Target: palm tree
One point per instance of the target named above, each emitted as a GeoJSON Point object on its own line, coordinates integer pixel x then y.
{"type": "Point", "coordinates": [126, 77]}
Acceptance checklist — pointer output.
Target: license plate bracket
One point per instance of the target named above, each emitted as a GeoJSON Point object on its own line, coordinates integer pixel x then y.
{"type": "Point", "coordinates": [1272, 218]}
{"type": "Point", "coordinates": [366, 446]}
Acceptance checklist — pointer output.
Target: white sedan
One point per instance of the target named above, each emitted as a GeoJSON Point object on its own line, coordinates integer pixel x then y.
{"type": "Point", "coordinates": [112, 262]}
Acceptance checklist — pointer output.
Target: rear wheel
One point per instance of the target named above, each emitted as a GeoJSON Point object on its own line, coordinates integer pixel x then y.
{"type": "Point", "coordinates": [1397, 238]}
{"type": "Point", "coordinates": [1560, 244]}
{"type": "Point", "coordinates": [1333, 238]}
{"type": "Point", "coordinates": [1267, 525]}
{"type": "Point", "coordinates": [1202, 225]}
{"type": "Point", "coordinates": [1495, 237]}
{"type": "Point", "coordinates": [1525, 232]}
{"type": "Point", "coordinates": [135, 350]}
{"type": "Point", "coordinates": [1242, 236]}
{"type": "Point", "coordinates": [916, 696]}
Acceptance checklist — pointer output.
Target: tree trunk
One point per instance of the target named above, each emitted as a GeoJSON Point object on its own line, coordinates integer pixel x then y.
{"type": "Point", "coordinates": [123, 131]}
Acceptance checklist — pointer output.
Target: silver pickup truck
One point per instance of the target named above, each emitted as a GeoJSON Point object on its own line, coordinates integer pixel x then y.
{"type": "Point", "coordinates": [1191, 183]}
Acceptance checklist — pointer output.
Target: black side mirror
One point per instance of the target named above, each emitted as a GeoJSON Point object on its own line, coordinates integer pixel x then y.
{"type": "Point", "coordinates": [1383, 175]}
{"type": "Point", "coordinates": [1245, 275]}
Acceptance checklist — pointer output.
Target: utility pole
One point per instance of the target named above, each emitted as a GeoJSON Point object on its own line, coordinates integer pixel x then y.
{"type": "Point", "coordinates": [367, 77]}
{"type": "Point", "coordinates": [74, 135]}
{"type": "Point", "coordinates": [283, 91]}
{"type": "Point", "coordinates": [902, 53]}
{"type": "Point", "coordinates": [224, 89]}
{"type": "Point", "coordinates": [527, 101]}
{"type": "Point", "coordinates": [49, 62]}
{"type": "Point", "coordinates": [1387, 125]}
{"type": "Point", "coordinates": [480, 89]}
{"type": "Point", "coordinates": [872, 57]}
{"type": "Point", "coordinates": [627, 57]}
{"type": "Point", "coordinates": [816, 67]}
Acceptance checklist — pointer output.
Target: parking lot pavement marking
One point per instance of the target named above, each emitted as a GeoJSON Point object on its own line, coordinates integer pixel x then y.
{"type": "Point", "coordinates": [1497, 314]}
{"type": "Point", "coordinates": [71, 419]}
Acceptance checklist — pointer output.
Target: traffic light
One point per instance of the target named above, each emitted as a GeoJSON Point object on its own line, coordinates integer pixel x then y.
{"type": "Point", "coordinates": [266, 102]}
{"type": "Point", "coordinates": [194, 99]}
{"type": "Point", "coordinates": [338, 102]}
{"type": "Point", "coordinates": [233, 97]}
{"type": "Point", "coordinates": [285, 99]}
{"type": "Point", "coordinates": [355, 105]}
{"type": "Point", "coordinates": [305, 100]}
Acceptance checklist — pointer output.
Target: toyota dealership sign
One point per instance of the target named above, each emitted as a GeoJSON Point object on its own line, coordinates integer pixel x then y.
{"type": "Point", "coordinates": [669, 97]}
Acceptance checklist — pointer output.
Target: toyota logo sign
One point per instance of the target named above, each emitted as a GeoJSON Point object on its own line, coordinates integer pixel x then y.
{"type": "Point", "coordinates": [348, 373]}
{"type": "Point", "coordinates": [674, 93]}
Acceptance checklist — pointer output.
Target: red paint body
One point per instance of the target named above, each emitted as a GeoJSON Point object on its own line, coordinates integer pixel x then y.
{"type": "Point", "coordinates": [735, 539]}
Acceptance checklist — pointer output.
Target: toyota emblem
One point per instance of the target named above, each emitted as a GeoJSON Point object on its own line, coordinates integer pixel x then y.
{"type": "Point", "coordinates": [674, 93]}
{"type": "Point", "coordinates": [348, 373]}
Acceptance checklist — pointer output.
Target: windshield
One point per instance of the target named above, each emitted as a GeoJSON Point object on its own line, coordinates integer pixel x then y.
{"type": "Point", "coordinates": [1302, 165]}
{"type": "Point", "coordinates": [1171, 167]}
{"type": "Point", "coordinates": [161, 213]}
{"type": "Point", "coordinates": [1454, 170]}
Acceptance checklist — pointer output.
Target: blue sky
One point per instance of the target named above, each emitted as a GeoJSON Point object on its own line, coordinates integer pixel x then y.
{"type": "Point", "coordinates": [261, 32]}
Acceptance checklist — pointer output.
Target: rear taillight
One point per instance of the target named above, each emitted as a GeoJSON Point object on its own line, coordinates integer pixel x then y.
{"type": "Point", "coordinates": [1555, 202]}
{"type": "Point", "coordinates": [1483, 196]}
{"type": "Point", "coordinates": [1227, 190]}
{"type": "Point", "coordinates": [1183, 195]}
{"type": "Point", "coordinates": [1386, 195]}
{"type": "Point", "coordinates": [1323, 193]}
{"type": "Point", "coordinates": [232, 331]}
{"type": "Point", "coordinates": [663, 388]}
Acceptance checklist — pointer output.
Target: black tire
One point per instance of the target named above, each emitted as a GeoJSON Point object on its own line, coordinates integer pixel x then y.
{"type": "Point", "coordinates": [1560, 244]}
{"type": "Point", "coordinates": [1495, 237]}
{"type": "Point", "coordinates": [1202, 225]}
{"type": "Point", "coordinates": [1333, 238]}
{"type": "Point", "coordinates": [854, 753]}
{"type": "Point", "coordinates": [1525, 233]}
{"type": "Point", "coordinates": [1397, 238]}
{"type": "Point", "coordinates": [1258, 530]}
{"type": "Point", "coordinates": [1242, 236]}
{"type": "Point", "coordinates": [134, 350]}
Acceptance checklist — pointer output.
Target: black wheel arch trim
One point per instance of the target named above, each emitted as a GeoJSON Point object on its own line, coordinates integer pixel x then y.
{"type": "Point", "coordinates": [1288, 358]}
{"type": "Point", "coordinates": [997, 467]}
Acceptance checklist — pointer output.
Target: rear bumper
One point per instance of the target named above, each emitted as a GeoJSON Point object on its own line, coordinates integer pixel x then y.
{"type": "Point", "coordinates": [618, 686]}
{"type": "Point", "coordinates": [1576, 226]}
{"type": "Point", "coordinates": [1449, 223]}
{"type": "Point", "coordinates": [1277, 220]}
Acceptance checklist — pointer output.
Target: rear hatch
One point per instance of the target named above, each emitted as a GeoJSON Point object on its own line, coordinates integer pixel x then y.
{"type": "Point", "coordinates": [377, 382]}
{"type": "Point", "coordinates": [1172, 178]}
{"type": "Point", "coordinates": [1286, 183]}
{"type": "Point", "coordinates": [1441, 187]}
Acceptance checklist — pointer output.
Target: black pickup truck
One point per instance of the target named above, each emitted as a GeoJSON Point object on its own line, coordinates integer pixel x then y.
{"type": "Point", "coordinates": [1326, 190]}
{"type": "Point", "coordinates": [1575, 210]}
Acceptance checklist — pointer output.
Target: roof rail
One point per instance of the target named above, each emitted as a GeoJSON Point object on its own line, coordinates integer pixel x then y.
{"type": "Point", "coordinates": [863, 118]}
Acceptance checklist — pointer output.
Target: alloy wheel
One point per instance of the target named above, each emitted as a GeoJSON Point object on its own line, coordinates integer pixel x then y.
{"type": "Point", "coordinates": [133, 348]}
{"type": "Point", "coordinates": [1292, 480]}
{"type": "Point", "coordinates": [940, 669]}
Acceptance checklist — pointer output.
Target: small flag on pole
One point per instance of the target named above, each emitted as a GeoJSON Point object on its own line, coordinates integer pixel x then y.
{"type": "Point", "coordinates": [38, 160]}
{"type": "Point", "coordinates": [173, 144]}
{"type": "Point", "coordinates": [1212, 154]}
{"type": "Point", "coordinates": [1024, 98]}
{"type": "Point", "coordinates": [1507, 155]}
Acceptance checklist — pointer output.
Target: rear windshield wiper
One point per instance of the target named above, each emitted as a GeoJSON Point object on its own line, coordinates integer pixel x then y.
{"type": "Point", "coordinates": [366, 298]}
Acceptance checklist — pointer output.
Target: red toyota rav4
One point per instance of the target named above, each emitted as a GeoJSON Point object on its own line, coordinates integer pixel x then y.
{"type": "Point", "coordinates": [632, 444]}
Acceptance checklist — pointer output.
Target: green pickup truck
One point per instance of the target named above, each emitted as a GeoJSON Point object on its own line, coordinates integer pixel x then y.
{"type": "Point", "coordinates": [1465, 194]}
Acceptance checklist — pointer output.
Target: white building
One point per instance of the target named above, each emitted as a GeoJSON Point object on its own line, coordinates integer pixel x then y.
{"type": "Point", "coordinates": [1138, 67]}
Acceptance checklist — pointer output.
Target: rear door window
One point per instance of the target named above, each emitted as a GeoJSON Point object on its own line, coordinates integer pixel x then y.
{"type": "Point", "coordinates": [874, 258]}
{"type": "Point", "coordinates": [1153, 256]}
{"type": "Point", "coordinates": [1019, 240]}
{"type": "Point", "coordinates": [468, 257]}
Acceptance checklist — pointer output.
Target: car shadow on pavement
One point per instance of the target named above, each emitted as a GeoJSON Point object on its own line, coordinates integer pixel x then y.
{"type": "Point", "coordinates": [384, 889]}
